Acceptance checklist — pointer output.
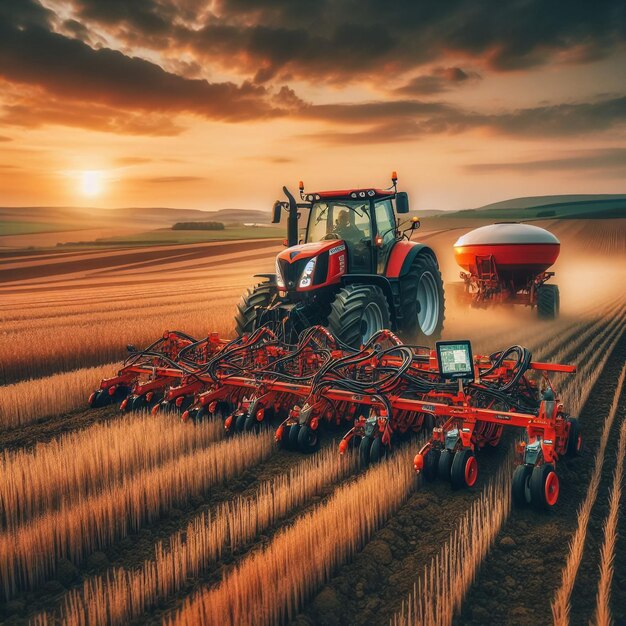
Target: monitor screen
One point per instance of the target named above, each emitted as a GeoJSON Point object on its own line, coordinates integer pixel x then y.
{"type": "Point", "coordinates": [455, 359]}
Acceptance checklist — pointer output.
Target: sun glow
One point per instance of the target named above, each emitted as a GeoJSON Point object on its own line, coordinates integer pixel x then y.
{"type": "Point", "coordinates": [91, 183]}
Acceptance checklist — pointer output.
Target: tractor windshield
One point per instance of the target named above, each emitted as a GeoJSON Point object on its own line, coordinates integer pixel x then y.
{"type": "Point", "coordinates": [339, 219]}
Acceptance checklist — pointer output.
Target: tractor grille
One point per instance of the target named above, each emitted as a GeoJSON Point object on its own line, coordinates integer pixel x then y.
{"type": "Point", "coordinates": [292, 271]}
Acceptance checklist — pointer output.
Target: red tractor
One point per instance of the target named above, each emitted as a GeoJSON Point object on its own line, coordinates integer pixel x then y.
{"type": "Point", "coordinates": [355, 272]}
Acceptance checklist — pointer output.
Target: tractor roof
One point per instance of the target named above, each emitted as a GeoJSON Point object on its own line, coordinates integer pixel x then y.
{"type": "Point", "coordinates": [349, 194]}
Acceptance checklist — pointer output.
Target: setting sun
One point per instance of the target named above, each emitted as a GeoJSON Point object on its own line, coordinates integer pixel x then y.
{"type": "Point", "coordinates": [91, 183]}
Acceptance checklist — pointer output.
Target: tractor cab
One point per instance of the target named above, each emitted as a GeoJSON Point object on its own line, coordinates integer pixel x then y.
{"type": "Point", "coordinates": [353, 269]}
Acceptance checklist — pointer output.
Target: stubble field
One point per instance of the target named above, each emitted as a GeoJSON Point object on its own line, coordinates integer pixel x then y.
{"type": "Point", "coordinates": [112, 519]}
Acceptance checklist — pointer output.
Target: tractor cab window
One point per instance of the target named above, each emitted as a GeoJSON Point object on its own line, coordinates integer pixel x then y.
{"type": "Point", "coordinates": [386, 228]}
{"type": "Point", "coordinates": [347, 221]}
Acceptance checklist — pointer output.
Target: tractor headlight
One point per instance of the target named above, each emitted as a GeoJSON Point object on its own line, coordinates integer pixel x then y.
{"type": "Point", "coordinates": [280, 281]}
{"type": "Point", "coordinates": [307, 275]}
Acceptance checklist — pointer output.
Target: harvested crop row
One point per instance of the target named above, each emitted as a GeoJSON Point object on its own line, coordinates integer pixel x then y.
{"type": "Point", "coordinates": [561, 601]}
{"type": "Point", "coordinates": [438, 594]}
{"type": "Point", "coordinates": [124, 595]}
{"type": "Point", "coordinates": [28, 401]}
{"type": "Point", "coordinates": [98, 341]}
{"type": "Point", "coordinates": [603, 615]}
{"type": "Point", "coordinates": [30, 554]}
{"type": "Point", "coordinates": [270, 585]}
{"type": "Point", "coordinates": [79, 464]}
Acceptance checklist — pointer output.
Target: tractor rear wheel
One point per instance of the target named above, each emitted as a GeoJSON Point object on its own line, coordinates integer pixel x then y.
{"type": "Point", "coordinates": [357, 313]}
{"type": "Point", "coordinates": [422, 299]}
{"type": "Point", "coordinates": [548, 302]}
{"type": "Point", "coordinates": [251, 305]}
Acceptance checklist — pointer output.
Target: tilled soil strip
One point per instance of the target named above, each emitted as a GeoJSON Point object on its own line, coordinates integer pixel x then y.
{"type": "Point", "coordinates": [518, 579]}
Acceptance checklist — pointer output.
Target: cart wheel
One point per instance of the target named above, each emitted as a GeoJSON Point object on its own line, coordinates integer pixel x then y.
{"type": "Point", "coordinates": [544, 487]}
{"type": "Point", "coordinates": [520, 488]}
{"type": "Point", "coordinates": [308, 440]}
{"type": "Point", "coordinates": [240, 423]}
{"type": "Point", "coordinates": [574, 439]}
{"type": "Point", "coordinates": [251, 425]}
{"type": "Point", "coordinates": [364, 452]}
{"type": "Point", "coordinates": [378, 451]}
{"type": "Point", "coordinates": [464, 470]}
{"type": "Point", "coordinates": [294, 431]}
{"type": "Point", "coordinates": [431, 463]}
{"type": "Point", "coordinates": [445, 465]}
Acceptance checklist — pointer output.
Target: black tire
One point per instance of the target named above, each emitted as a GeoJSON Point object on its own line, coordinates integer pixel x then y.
{"type": "Point", "coordinates": [541, 496]}
{"type": "Point", "coordinates": [422, 299]}
{"type": "Point", "coordinates": [378, 451]}
{"type": "Point", "coordinates": [308, 440]}
{"type": "Point", "coordinates": [445, 465]}
{"type": "Point", "coordinates": [431, 464]}
{"type": "Point", "coordinates": [349, 320]}
{"type": "Point", "coordinates": [100, 398]}
{"type": "Point", "coordinates": [364, 452]}
{"type": "Point", "coordinates": [294, 431]}
{"type": "Point", "coordinates": [252, 302]}
{"type": "Point", "coordinates": [251, 425]}
{"type": "Point", "coordinates": [574, 439]}
{"type": "Point", "coordinates": [464, 470]}
{"type": "Point", "coordinates": [240, 422]}
{"type": "Point", "coordinates": [137, 403]}
{"type": "Point", "coordinates": [520, 487]}
{"type": "Point", "coordinates": [548, 302]}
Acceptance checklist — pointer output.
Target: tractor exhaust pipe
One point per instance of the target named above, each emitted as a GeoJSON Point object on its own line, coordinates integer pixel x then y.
{"type": "Point", "coordinates": [292, 220]}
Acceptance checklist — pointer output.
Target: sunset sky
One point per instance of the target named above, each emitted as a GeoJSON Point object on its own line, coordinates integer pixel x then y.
{"type": "Point", "coordinates": [210, 105]}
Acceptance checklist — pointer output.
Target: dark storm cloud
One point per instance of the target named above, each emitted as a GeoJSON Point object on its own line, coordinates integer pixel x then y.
{"type": "Point", "coordinates": [411, 119]}
{"type": "Point", "coordinates": [438, 81]}
{"type": "Point", "coordinates": [344, 39]}
{"type": "Point", "coordinates": [32, 55]}
{"type": "Point", "coordinates": [611, 161]}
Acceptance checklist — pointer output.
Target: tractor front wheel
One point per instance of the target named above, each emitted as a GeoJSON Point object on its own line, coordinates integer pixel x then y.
{"type": "Point", "coordinates": [422, 299]}
{"type": "Point", "coordinates": [357, 313]}
{"type": "Point", "coordinates": [251, 307]}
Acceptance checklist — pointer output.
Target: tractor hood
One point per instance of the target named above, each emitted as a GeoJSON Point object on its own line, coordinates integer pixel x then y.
{"type": "Point", "coordinates": [308, 250]}
{"type": "Point", "coordinates": [330, 263]}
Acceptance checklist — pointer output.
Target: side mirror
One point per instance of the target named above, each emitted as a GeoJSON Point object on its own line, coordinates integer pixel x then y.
{"type": "Point", "coordinates": [278, 207]}
{"type": "Point", "coordinates": [402, 202]}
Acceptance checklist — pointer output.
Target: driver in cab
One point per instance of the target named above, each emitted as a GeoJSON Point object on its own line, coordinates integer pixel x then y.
{"type": "Point", "coordinates": [345, 230]}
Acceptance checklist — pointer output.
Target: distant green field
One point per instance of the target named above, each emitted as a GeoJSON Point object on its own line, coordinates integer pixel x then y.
{"type": "Point", "coordinates": [168, 236]}
{"type": "Point", "coordinates": [30, 228]}
{"type": "Point", "coordinates": [582, 209]}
